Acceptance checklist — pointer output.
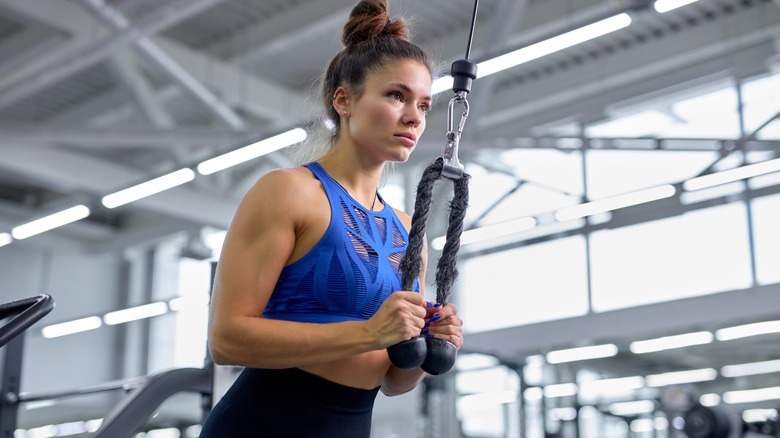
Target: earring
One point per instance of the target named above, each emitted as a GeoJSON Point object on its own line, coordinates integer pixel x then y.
{"type": "Point", "coordinates": [346, 113]}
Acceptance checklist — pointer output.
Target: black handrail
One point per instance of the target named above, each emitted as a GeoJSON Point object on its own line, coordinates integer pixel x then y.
{"type": "Point", "coordinates": [141, 403]}
{"type": "Point", "coordinates": [28, 311]}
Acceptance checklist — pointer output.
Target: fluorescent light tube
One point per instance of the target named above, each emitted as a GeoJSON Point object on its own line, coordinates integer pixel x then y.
{"type": "Point", "coordinates": [540, 49]}
{"type": "Point", "coordinates": [611, 386]}
{"type": "Point", "coordinates": [750, 369]}
{"type": "Point", "coordinates": [560, 390]}
{"type": "Point", "coordinates": [488, 232]}
{"type": "Point", "coordinates": [50, 222]}
{"type": "Point", "coordinates": [151, 187]}
{"type": "Point", "coordinates": [5, 239]}
{"type": "Point", "coordinates": [533, 393]}
{"type": "Point", "coordinates": [135, 313]}
{"type": "Point", "coordinates": [487, 399]}
{"type": "Point", "coordinates": [667, 5]}
{"type": "Point", "coordinates": [71, 327]}
{"type": "Point", "coordinates": [731, 175]}
{"type": "Point", "coordinates": [614, 203]}
{"type": "Point", "coordinates": [746, 330]}
{"type": "Point", "coordinates": [758, 415]}
{"type": "Point", "coordinates": [582, 353]}
{"type": "Point", "coordinates": [552, 45]}
{"type": "Point", "coordinates": [752, 395]}
{"type": "Point", "coordinates": [709, 399]}
{"type": "Point", "coordinates": [252, 151]}
{"type": "Point", "coordinates": [632, 408]}
{"type": "Point", "coordinates": [443, 83]}
{"type": "Point", "coordinates": [563, 414]}
{"type": "Point", "coordinates": [671, 342]}
{"type": "Point", "coordinates": [680, 377]}
{"type": "Point", "coordinates": [181, 303]}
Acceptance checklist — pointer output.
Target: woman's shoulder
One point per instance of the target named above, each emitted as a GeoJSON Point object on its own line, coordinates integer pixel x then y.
{"type": "Point", "coordinates": [404, 218]}
{"type": "Point", "coordinates": [280, 183]}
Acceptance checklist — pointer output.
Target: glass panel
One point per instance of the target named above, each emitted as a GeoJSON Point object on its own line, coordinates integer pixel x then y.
{"type": "Point", "coordinates": [710, 114]}
{"type": "Point", "coordinates": [761, 100]}
{"type": "Point", "coordinates": [525, 285]}
{"type": "Point", "coordinates": [699, 253]}
{"type": "Point", "coordinates": [554, 169]}
{"type": "Point", "coordinates": [615, 172]}
{"type": "Point", "coordinates": [766, 236]}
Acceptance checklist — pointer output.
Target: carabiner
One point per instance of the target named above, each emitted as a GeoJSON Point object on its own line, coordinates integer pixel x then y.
{"type": "Point", "coordinates": [453, 169]}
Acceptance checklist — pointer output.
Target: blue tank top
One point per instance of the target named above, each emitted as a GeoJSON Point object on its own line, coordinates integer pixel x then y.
{"type": "Point", "coordinates": [350, 272]}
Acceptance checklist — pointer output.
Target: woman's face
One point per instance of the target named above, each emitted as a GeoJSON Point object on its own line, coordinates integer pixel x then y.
{"type": "Point", "coordinates": [388, 118]}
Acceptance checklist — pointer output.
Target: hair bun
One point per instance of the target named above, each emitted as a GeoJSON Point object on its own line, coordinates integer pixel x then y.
{"type": "Point", "coordinates": [370, 19]}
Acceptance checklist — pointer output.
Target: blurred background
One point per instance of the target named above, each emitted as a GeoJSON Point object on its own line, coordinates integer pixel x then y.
{"type": "Point", "coordinates": [620, 272]}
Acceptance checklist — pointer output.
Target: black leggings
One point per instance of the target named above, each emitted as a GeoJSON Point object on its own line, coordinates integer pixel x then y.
{"type": "Point", "coordinates": [290, 403]}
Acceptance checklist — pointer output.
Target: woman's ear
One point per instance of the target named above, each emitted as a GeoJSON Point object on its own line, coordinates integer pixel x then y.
{"type": "Point", "coordinates": [342, 100]}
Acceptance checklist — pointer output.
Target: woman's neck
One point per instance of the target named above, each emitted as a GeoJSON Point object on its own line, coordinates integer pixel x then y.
{"type": "Point", "coordinates": [358, 178]}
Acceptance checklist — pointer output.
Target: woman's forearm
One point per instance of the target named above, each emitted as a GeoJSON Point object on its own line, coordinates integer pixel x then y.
{"type": "Point", "coordinates": [263, 343]}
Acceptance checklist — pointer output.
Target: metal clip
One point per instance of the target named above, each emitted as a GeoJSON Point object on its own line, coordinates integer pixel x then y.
{"type": "Point", "coordinates": [453, 168]}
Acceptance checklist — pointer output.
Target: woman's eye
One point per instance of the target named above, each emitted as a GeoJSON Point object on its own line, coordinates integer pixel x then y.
{"type": "Point", "coordinates": [425, 108]}
{"type": "Point", "coordinates": [396, 95]}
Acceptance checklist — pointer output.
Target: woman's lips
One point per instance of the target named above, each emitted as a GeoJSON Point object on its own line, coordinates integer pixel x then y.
{"type": "Point", "coordinates": [407, 138]}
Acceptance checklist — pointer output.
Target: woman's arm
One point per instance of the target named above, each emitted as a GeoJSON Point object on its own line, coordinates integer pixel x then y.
{"type": "Point", "coordinates": [258, 244]}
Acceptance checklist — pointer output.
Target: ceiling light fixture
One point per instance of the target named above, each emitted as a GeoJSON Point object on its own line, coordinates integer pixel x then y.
{"type": "Point", "coordinates": [50, 222]}
{"type": "Point", "coordinates": [671, 342]}
{"type": "Point", "coordinates": [252, 151]}
{"type": "Point", "coordinates": [747, 330]}
{"type": "Point", "coordinates": [542, 48]}
{"type": "Point", "coordinates": [680, 377]}
{"type": "Point", "coordinates": [751, 395]}
{"type": "Point", "coordinates": [614, 203]}
{"type": "Point", "coordinates": [731, 175]}
{"type": "Point", "coordinates": [71, 327]}
{"type": "Point", "coordinates": [662, 6]}
{"type": "Point", "coordinates": [5, 239]}
{"type": "Point", "coordinates": [489, 232]}
{"type": "Point", "coordinates": [632, 408]}
{"type": "Point", "coordinates": [611, 386]}
{"type": "Point", "coordinates": [135, 313]}
{"type": "Point", "coordinates": [560, 390]}
{"type": "Point", "coordinates": [750, 369]}
{"type": "Point", "coordinates": [581, 353]}
{"type": "Point", "coordinates": [148, 188]}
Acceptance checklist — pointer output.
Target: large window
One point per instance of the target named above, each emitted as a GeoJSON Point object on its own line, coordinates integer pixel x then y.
{"type": "Point", "coordinates": [698, 253]}
{"type": "Point", "coordinates": [525, 285]}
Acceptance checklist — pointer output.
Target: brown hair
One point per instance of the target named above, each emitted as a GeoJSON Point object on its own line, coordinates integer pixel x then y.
{"type": "Point", "coordinates": [371, 39]}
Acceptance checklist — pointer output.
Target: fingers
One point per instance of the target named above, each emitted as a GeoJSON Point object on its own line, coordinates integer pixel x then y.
{"type": "Point", "coordinates": [444, 323]}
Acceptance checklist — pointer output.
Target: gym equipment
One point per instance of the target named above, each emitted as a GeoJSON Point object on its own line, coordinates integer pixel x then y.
{"type": "Point", "coordinates": [706, 422]}
{"type": "Point", "coordinates": [437, 356]}
{"type": "Point", "coordinates": [27, 312]}
{"type": "Point", "coordinates": [24, 312]}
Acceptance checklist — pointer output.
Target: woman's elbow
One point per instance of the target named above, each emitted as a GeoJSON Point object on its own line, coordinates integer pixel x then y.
{"type": "Point", "coordinates": [219, 348]}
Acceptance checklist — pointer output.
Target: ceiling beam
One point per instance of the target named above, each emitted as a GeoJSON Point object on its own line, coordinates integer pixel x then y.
{"type": "Point", "coordinates": [127, 138]}
{"type": "Point", "coordinates": [127, 71]}
{"type": "Point", "coordinates": [295, 24]}
{"type": "Point", "coordinates": [65, 172]}
{"type": "Point", "coordinates": [552, 98]}
{"type": "Point", "coordinates": [70, 64]}
{"type": "Point", "coordinates": [155, 57]}
{"type": "Point", "coordinates": [238, 87]}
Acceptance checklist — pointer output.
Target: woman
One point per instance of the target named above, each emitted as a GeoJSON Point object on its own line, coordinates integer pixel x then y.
{"type": "Point", "coordinates": [307, 292]}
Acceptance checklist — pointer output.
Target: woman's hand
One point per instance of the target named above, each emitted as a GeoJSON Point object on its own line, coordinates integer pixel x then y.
{"type": "Point", "coordinates": [400, 318]}
{"type": "Point", "coordinates": [443, 322]}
